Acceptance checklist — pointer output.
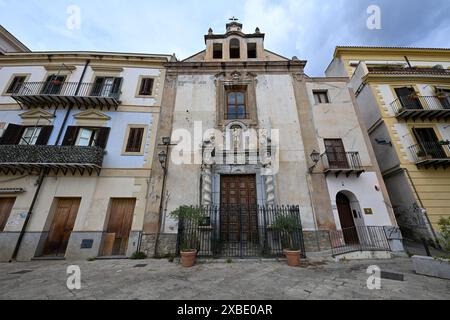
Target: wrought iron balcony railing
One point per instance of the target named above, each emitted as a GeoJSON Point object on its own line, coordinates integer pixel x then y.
{"type": "Point", "coordinates": [355, 239]}
{"type": "Point", "coordinates": [57, 93]}
{"type": "Point", "coordinates": [421, 107]}
{"type": "Point", "coordinates": [342, 162]}
{"type": "Point", "coordinates": [431, 153]}
{"type": "Point", "coordinates": [30, 158]}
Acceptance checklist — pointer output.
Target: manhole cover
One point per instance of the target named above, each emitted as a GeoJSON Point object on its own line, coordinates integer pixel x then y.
{"type": "Point", "coordinates": [22, 272]}
{"type": "Point", "coordinates": [392, 276]}
{"type": "Point", "coordinates": [140, 265]}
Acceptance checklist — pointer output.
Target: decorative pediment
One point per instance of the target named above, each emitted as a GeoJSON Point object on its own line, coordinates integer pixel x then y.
{"type": "Point", "coordinates": [37, 114]}
{"type": "Point", "coordinates": [92, 115]}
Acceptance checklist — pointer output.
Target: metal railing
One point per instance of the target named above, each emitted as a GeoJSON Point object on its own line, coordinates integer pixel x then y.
{"type": "Point", "coordinates": [342, 161]}
{"type": "Point", "coordinates": [419, 103]}
{"type": "Point", "coordinates": [68, 89]}
{"type": "Point", "coordinates": [429, 151]}
{"type": "Point", "coordinates": [355, 239]}
{"type": "Point", "coordinates": [241, 231]}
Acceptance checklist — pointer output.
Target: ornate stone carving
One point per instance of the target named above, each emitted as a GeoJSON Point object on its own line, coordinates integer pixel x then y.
{"type": "Point", "coordinates": [207, 185]}
{"type": "Point", "coordinates": [270, 190]}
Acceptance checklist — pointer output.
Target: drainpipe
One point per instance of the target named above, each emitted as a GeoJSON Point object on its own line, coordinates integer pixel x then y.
{"type": "Point", "coordinates": [421, 205]}
{"type": "Point", "coordinates": [161, 206]}
{"type": "Point", "coordinates": [30, 212]}
{"type": "Point", "coordinates": [66, 117]}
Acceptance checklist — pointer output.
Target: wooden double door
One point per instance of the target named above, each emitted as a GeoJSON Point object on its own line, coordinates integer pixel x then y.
{"type": "Point", "coordinates": [120, 222]}
{"type": "Point", "coordinates": [62, 226]}
{"type": "Point", "coordinates": [6, 205]}
{"type": "Point", "coordinates": [238, 208]}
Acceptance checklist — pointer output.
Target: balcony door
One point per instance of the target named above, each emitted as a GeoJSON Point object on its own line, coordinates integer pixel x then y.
{"type": "Point", "coordinates": [429, 142]}
{"type": "Point", "coordinates": [53, 84]}
{"type": "Point", "coordinates": [407, 99]}
{"type": "Point", "coordinates": [337, 157]}
{"type": "Point", "coordinates": [62, 225]}
{"type": "Point", "coordinates": [444, 98]}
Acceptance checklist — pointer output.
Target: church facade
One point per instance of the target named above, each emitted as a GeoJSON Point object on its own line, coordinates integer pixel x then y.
{"type": "Point", "coordinates": [242, 127]}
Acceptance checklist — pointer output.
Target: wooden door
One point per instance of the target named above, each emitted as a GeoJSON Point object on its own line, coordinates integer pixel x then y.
{"type": "Point", "coordinates": [429, 142]}
{"type": "Point", "coordinates": [239, 219]}
{"type": "Point", "coordinates": [337, 157]}
{"type": "Point", "coordinates": [406, 96]}
{"type": "Point", "coordinates": [6, 205]}
{"type": "Point", "coordinates": [346, 218]}
{"type": "Point", "coordinates": [62, 226]}
{"type": "Point", "coordinates": [119, 226]}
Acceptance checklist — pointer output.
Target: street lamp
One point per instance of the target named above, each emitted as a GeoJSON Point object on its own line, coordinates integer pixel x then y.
{"type": "Point", "coordinates": [162, 156]}
{"type": "Point", "coordinates": [166, 141]}
{"type": "Point", "coordinates": [315, 157]}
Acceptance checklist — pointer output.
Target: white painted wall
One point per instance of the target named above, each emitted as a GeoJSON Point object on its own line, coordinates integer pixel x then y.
{"type": "Point", "coordinates": [364, 190]}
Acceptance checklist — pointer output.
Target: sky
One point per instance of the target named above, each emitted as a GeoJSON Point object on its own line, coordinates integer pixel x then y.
{"type": "Point", "coordinates": [308, 29]}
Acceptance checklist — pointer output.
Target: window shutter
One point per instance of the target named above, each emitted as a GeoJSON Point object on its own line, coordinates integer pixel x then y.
{"type": "Point", "coordinates": [102, 138]}
{"type": "Point", "coordinates": [71, 136]}
{"type": "Point", "coordinates": [116, 87]}
{"type": "Point", "coordinates": [44, 136]}
{"type": "Point", "coordinates": [98, 86]}
{"type": "Point", "coordinates": [135, 140]}
{"type": "Point", "coordinates": [12, 134]}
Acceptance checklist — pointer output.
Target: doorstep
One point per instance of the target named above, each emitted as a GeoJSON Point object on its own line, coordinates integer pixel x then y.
{"type": "Point", "coordinates": [48, 259]}
{"type": "Point", "coordinates": [112, 258]}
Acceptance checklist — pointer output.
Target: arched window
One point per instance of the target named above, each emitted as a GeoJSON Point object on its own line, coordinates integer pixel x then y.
{"type": "Point", "coordinates": [235, 49]}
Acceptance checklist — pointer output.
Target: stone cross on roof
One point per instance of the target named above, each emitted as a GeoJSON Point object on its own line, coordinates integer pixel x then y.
{"type": "Point", "coordinates": [233, 19]}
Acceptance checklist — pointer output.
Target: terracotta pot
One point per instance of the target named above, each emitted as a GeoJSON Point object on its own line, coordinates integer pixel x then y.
{"type": "Point", "coordinates": [188, 258]}
{"type": "Point", "coordinates": [293, 258]}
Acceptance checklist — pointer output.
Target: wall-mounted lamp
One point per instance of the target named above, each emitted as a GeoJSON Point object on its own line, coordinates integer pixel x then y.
{"type": "Point", "coordinates": [315, 157]}
{"type": "Point", "coordinates": [383, 142]}
{"type": "Point", "coordinates": [166, 141]}
{"type": "Point", "coordinates": [162, 156]}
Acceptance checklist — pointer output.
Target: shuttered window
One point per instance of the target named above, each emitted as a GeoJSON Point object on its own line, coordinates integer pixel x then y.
{"type": "Point", "coordinates": [321, 97]}
{"type": "Point", "coordinates": [146, 88]}
{"type": "Point", "coordinates": [17, 134]}
{"type": "Point", "coordinates": [134, 142]}
{"type": "Point", "coordinates": [108, 87]}
{"type": "Point", "coordinates": [86, 137]}
{"type": "Point", "coordinates": [15, 85]}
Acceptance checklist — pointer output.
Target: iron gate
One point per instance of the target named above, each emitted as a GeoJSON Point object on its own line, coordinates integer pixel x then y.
{"type": "Point", "coordinates": [242, 231]}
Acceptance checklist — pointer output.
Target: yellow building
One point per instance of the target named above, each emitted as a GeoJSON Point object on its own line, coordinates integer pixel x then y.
{"type": "Point", "coordinates": [404, 98]}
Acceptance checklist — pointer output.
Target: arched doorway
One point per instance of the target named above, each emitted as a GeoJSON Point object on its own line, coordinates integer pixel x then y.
{"type": "Point", "coordinates": [346, 218]}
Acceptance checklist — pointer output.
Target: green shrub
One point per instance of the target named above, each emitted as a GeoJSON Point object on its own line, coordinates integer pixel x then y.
{"type": "Point", "coordinates": [192, 218]}
{"type": "Point", "coordinates": [288, 227]}
{"type": "Point", "coordinates": [444, 224]}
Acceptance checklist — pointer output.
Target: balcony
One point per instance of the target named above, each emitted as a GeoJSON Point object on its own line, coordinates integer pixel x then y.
{"type": "Point", "coordinates": [422, 108]}
{"type": "Point", "coordinates": [66, 159]}
{"type": "Point", "coordinates": [431, 154]}
{"type": "Point", "coordinates": [347, 163]}
{"type": "Point", "coordinates": [54, 94]}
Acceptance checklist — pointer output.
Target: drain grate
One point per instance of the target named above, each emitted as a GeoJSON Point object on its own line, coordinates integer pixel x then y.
{"type": "Point", "coordinates": [140, 266]}
{"type": "Point", "coordinates": [392, 276]}
{"type": "Point", "coordinates": [22, 272]}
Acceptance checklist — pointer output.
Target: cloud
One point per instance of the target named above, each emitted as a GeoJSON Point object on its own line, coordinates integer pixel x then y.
{"type": "Point", "coordinates": [309, 29]}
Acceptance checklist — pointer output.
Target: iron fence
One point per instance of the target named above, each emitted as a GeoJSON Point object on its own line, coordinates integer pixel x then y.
{"type": "Point", "coordinates": [356, 239]}
{"type": "Point", "coordinates": [429, 150]}
{"type": "Point", "coordinates": [68, 89]}
{"type": "Point", "coordinates": [242, 231]}
{"type": "Point", "coordinates": [419, 103]}
{"type": "Point", "coordinates": [342, 160]}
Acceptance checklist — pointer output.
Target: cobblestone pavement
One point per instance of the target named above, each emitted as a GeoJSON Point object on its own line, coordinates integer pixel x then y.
{"type": "Point", "coordinates": [251, 280]}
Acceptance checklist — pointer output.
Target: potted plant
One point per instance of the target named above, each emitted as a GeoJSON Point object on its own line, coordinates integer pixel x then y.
{"type": "Point", "coordinates": [189, 242]}
{"type": "Point", "coordinates": [288, 227]}
{"type": "Point", "coordinates": [444, 142]}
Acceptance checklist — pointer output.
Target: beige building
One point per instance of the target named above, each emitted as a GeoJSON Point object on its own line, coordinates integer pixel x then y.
{"type": "Point", "coordinates": [77, 132]}
{"type": "Point", "coordinates": [404, 99]}
{"type": "Point", "coordinates": [243, 132]}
